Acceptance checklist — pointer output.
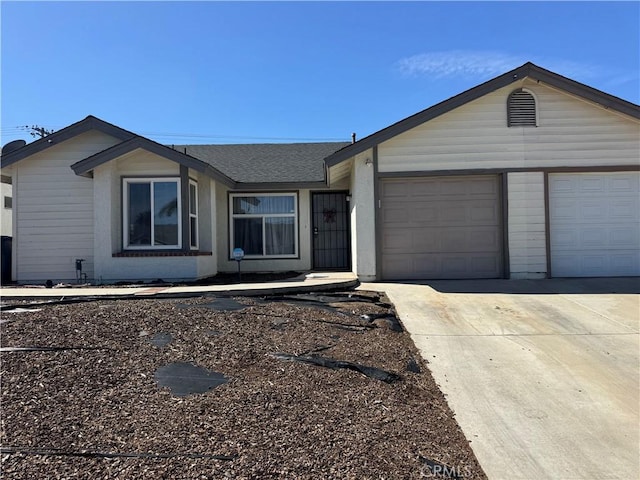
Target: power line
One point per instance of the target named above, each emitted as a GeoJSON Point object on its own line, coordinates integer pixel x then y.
{"type": "Point", "coordinates": [158, 135]}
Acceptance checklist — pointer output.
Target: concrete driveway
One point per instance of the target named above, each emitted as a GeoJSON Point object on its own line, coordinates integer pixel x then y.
{"type": "Point", "coordinates": [543, 375]}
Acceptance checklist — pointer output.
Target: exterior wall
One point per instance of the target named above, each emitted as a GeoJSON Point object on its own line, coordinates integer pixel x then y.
{"type": "Point", "coordinates": [363, 207]}
{"type": "Point", "coordinates": [207, 265]}
{"type": "Point", "coordinates": [108, 226]}
{"type": "Point", "coordinates": [526, 221]}
{"type": "Point", "coordinates": [303, 263]}
{"type": "Point", "coordinates": [54, 211]}
{"type": "Point", "coordinates": [6, 214]}
{"type": "Point", "coordinates": [571, 132]}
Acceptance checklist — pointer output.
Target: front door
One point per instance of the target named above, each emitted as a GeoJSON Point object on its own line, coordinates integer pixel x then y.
{"type": "Point", "coordinates": [330, 223]}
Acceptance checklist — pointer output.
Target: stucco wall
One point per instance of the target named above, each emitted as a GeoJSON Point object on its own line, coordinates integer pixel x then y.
{"type": "Point", "coordinates": [363, 232]}
{"type": "Point", "coordinates": [108, 223]}
{"type": "Point", "coordinates": [303, 263]}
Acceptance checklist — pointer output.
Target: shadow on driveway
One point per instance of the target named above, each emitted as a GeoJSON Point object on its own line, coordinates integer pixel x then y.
{"type": "Point", "coordinates": [621, 285]}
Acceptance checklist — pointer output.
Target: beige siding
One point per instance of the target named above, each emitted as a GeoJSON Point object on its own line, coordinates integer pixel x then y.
{"type": "Point", "coordinates": [54, 210]}
{"type": "Point", "coordinates": [143, 163]}
{"type": "Point", "coordinates": [571, 132]}
{"type": "Point", "coordinates": [527, 244]}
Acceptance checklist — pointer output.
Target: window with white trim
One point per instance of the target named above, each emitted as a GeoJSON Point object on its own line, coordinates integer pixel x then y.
{"type": "Point", "coordinates": [193, 214]}
{"type": "Point", "coordinates": [264, 225]}
{"type": "Point", "coordinates": [152, 213]}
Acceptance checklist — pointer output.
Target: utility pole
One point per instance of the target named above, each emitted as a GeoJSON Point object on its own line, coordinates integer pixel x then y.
{"type": "Point", "coordinates": [37, 131]}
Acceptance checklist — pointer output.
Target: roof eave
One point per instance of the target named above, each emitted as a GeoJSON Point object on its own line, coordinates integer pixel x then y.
{"type": "Point", "coordinates": [280, 186]}
{"type": "Point", "coordinates": [527, 70]}
{"type": "Point", "coordinates": [73, 130]}
{"type": "Point", "coordinates": [86, 166]}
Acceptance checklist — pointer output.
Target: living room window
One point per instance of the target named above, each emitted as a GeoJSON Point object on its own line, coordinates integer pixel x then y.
{"type": "Point", "coordinates": [151, 213]}
{"type": "Point", "coordinates": [264, 225]}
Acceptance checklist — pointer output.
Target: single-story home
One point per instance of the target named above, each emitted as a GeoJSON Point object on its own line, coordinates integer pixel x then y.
{"type": "Point", "coordinates": [528, 175]}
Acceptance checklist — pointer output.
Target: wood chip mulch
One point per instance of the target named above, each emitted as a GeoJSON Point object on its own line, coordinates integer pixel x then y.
{"type": "Point", "coordinates": [95, 410]}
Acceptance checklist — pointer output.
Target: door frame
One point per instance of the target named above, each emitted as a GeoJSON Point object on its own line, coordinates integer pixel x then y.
{"type": "Point", "coordinates": [347, 195]}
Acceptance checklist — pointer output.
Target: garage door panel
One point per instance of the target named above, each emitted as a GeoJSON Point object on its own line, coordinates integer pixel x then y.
{"type": "Point", "coordinates": [453, 214]}
{"type": "Point", "coordinates": [604, 265]}
{"type": "Point", "coordinates": [624, 237]}
{"type": "Point", "coordinates": [422, 266]}
{"type": "Point", "coordinates": [452, 228]}
{"type": "Point", "coordinates": [391, 190]}
{"type": "Point", "coordinates": [626, 209]}
{"type": "Point", "coordinates": [483, 212]}
{"type": "Point", "coordinates": [425, 213]}
{"type": "Point", "coordinates": [394, 242]}
{"type": "Point", "coordinates": [591, 185]}
{"type": "Point", "coordinates": [624, 185]}
{"type": "Point", "coordinates": [399, 216]}
{"type": "Point", "coordinates": [594, 224]}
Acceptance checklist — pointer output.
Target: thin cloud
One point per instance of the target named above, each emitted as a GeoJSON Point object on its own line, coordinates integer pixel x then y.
{"type": "Point", "coordinates": [484, 64]}
{"type": "Point", "coordinates": [459, 63]}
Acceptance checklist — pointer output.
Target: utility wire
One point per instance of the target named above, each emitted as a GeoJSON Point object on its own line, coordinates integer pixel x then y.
{"type": "Point", "coordinates": [159, 135]}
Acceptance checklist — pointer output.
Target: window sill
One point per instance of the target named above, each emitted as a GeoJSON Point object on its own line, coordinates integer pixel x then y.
{"type": "Point", "coordinates": [160, 253]}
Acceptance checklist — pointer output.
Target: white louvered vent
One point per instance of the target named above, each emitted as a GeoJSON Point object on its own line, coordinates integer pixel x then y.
{"type": "Point", "coordinates": [521, 109]}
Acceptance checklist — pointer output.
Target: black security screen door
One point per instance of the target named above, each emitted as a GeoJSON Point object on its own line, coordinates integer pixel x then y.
{"type": "Point", "coordinates": [331, 249]}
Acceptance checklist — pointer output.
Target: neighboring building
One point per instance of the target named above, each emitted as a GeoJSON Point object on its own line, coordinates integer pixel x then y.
{"type": "Point", "coordinates": [6, 208]}
{"type": "Point", "coordinates": [527, 175]}
{"type": "Point", "coordinates": [6, 228]}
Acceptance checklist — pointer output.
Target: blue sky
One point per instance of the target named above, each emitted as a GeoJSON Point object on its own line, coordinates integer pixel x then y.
{"type": "Point", "coordinates": [245, 72]}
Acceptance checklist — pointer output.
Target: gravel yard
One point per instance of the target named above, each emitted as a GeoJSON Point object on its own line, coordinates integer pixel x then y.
{"type": "Point", "coordinates": [92, 407]}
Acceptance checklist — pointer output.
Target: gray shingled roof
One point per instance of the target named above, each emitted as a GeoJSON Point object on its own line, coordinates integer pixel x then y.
{"type": "Point", "coordinates": [267, 162]}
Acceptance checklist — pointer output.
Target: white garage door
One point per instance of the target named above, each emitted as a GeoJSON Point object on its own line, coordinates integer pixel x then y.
{"type": "Point", "coordinates": [441, 227]}
{"type": "Point", "coordinates": [594, 224]}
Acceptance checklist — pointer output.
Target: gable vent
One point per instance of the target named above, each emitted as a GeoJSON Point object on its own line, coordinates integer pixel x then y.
{"type": "Point", "coordinates": [521, 109]}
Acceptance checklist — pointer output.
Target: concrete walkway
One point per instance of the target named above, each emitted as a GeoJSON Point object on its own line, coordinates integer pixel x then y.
{"type": "Point", "coordinates": [543, 375]}
{"type": "Point", "coordinates": [304, 283]}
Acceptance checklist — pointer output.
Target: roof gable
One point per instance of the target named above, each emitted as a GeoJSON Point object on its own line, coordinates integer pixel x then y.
{"type": "Point", "coordinates": [84, 167]}
{"type": "Point", "coordinates": [73, 130]}
{"type": "Point", "coordinates": [527, 70]}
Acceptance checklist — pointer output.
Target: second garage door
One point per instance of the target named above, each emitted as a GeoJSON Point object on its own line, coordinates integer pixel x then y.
{"type": "Point", "coordinates": [441, 227]}
{"type": "Point", "coordinates": [594, 222]}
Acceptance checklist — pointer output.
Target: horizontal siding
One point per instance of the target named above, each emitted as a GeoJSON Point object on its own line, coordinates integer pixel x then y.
{"type": "Point", "coordinates": [54, 210]}
{"type": "Point", "coordinates": [526, 223]}
{"type": "Point", "coordinates": [571, 132]}
{"type": "Point", "coordinates": [142, 163]}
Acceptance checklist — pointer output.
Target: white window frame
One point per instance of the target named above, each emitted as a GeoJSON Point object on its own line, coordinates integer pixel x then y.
{"type": "Point", "coordinates": [125, 213]}
{"type": "Point", "coordinates": [193, 215]}
{"type": "Point", "coordinates": [294, 215]}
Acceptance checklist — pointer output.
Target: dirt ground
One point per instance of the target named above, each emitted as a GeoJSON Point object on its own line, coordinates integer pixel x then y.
{"type": "Point", "coordinates": [90, 405]}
